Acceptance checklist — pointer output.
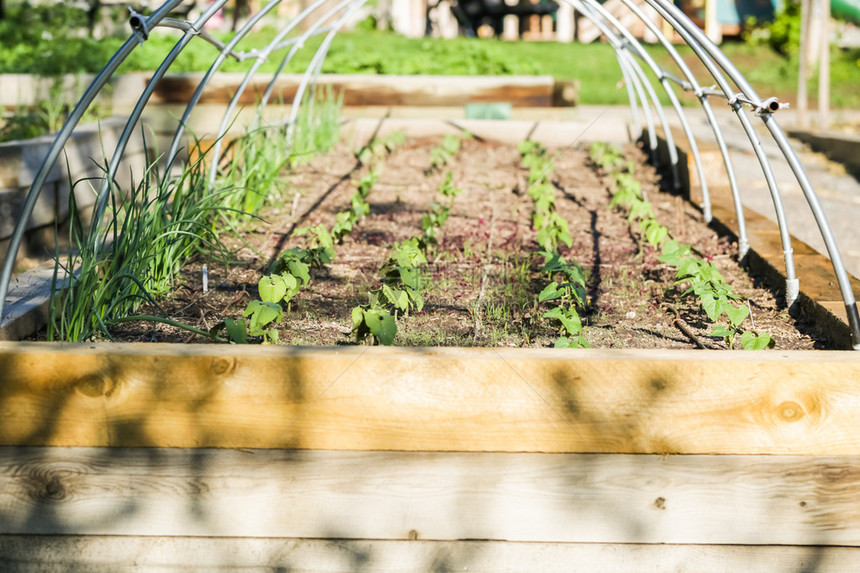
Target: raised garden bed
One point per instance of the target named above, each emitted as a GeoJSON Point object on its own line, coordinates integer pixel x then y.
{"type": "Point", "coordinates": [483, 277]}
{"type": "Point", "coordinates": [419, 459]}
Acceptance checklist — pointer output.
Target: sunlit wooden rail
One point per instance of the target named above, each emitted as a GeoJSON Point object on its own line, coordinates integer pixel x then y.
{"type": "Point", "coordinates": [410, 459]}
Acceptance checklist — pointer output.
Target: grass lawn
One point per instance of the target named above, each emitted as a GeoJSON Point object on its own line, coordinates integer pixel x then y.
{"type": "Point", "coordinates": [594, 65]}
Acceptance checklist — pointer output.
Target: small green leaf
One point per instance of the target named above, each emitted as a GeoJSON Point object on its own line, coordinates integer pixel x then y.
{"type": "Point", "coordinates": [300, 270]}
{"type": "Point", "coordinates": [754, 341]}
{"type": "Point", "coordinates": [262, 314]}
{"type": "Point", "coordinates": [551, 292]}
{"type": "Point", "coordinates": [656, 234]}
{"type": "Point", "coordinates": [382, 326]}
{"type": "Point", "coordinates": [417, 299]}
{"type": "Point", "coordinates": [272, 288]}
{"type": "Point", "coordinates": [402, 301]}
{"type": "Point", "coordinates": [236, 330]}
{"type": "Point", "coordinates": [710, 306]}
{"type": "Point", "coordinates": [568, 319]}
{"type": "Point", "coordinates": [736, 314]}
{"type": "Point", "coordinates": [357, 316]}
{"type": "Point", "coordinates": [722, 331]}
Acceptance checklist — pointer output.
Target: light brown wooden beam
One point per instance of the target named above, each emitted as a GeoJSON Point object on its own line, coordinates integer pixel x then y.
{"type": "Point", "coordinates": [367, 89]}
{"type": "Point", "coordinates": [365, 398]}
{"type": "Point", "coordinates": [616, 498]}
{"type": "Point", "coordinates": [95, 554]}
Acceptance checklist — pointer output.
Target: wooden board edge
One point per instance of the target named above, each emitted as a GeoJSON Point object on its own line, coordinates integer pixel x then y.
{"type": "Point", "coordinates": [59, 554]}
{"type": "Point", "coordinates": [433, 399]}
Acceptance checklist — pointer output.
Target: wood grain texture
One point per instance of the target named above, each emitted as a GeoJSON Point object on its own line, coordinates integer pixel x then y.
{"type": "Point", "coordinates": [747, 500]}
{"type": "Point", "coordinates": [430, 399]}
{"type": "Point", "coordinates": [365, 89]}
{"type": "Point", "coordinates": [91, 554]}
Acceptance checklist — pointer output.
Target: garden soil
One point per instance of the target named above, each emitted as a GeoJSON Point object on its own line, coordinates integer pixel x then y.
{"type": "Point", "coordinates": [483, 277]}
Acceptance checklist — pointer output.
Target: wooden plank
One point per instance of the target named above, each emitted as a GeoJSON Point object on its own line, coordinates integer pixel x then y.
{"type": "Point", "coordinates": [368, 89]}
{"type": "Point", "coordinates": [60, 554]}
{"type": "Point", "coordinates": [616, 498]}
{"type": "Point", "coordinates": [27, 304]}
{"type": "Point", "coordinates": [539, 400]}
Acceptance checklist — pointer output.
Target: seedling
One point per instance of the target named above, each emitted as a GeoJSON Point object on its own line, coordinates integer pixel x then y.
{"type": "Point", "coordinates": [715, 296]}
{"type": "Point", "coordinates": [320, 251]}
{"type": "Point", "coordinates": [432, 221]}
{"type": "Point", "coordinates": [375, 321]}
{"type": "Point", "coordinates": [447, 149]}
{"type": "Point", "coordinates": [605, 155]}
{"type": "Point", "coordinates": [379, 146]}
{"type": "Point", "coordinates": [359, 208]}
{"type": "Point", "coordinates": [551, 227]}
{"type": "Point", "coordinates": [447, 189]}
{"type": "Point", "coordinates": [628, 195]}
{"type": "Point", "coordinates": [402, 276]}
{"type": "Point", "coordinates": [400, 292]}
{"type": "Point", "coordinates": [571, 296]}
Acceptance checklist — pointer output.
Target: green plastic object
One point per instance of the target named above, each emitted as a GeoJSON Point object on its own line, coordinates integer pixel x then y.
{"type": "Point", "coordinates": [499, 110]}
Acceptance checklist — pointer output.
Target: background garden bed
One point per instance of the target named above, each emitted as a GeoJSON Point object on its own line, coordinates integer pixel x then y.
{"type": "Point", "coordinates": [83, 158]}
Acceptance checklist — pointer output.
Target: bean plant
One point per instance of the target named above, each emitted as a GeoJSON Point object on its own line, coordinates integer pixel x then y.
{"type": "Point", "coordinates": [433, 220]}
{"type": "Point", "coordinates": [447, 149]}
{"type": "Point", "coordinates": [380, 146]}
{"type": "Point", "coordinates": [568, 292]}
{"type": "Point", "coordinates": [606, 156]}
{"type": "Point", "coordinates": [552, 229]}
{"type": "Point", "coordinates": [628, 195]}
{"type": "Point", "coordinates": [716, 297]}
{"type": "Point", "coordinates": [359, 207]}
{"type": "Point", "coordinates": [399, 292]}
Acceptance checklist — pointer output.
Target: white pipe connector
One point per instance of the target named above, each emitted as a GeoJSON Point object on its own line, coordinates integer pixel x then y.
{"type": "Point", "coordinates": [792, 291]}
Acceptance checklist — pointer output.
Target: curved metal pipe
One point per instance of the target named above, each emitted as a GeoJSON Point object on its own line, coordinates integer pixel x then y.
{"type": "Point", "coordinates": [673, 98]}
{"type": "Point", "coordinates": [198, 92]}
{"type": "Point", "coordinates": [185, 26]}
{"type": "Point", "coordinates": [264, 54]}
{"type": "Point", "coordinates": [631, 96]}
{"type": "Point", "coordinates": [765, 110]}
{"type": "Point", "coordinates": [791, 281]}
{"type": "Point", "coordinates": [62, 137]}
{"type": "Point", "coordinates": [313, 68]}
{"type": "Point", "coordinates": [133, 118]}
{"type": "Point", "coordinates": [667, 133]}
{"type": "Point", "coordinates": [743, 241]}
{"type": "Point", "coordinates": [646, 108]}
{"type": "Point", "coordinates": [635, 73]}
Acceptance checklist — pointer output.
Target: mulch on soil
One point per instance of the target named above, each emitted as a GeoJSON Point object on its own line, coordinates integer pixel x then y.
{"type": "Point", "coordinates": [482, 282]}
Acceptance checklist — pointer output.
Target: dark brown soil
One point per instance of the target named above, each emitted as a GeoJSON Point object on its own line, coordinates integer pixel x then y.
{"type": "Point", "coordinates": [482, 281]}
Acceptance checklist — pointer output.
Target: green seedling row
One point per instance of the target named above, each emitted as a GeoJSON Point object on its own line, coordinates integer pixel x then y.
{"type": "Point", "coordinates": [715, 296]}
{"type": "Point", "coordinates": [400, 290]}
{"type": "Point", "coordinates": [566, 289]}
{"type": "Point", "coordinates": [551, 227]}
